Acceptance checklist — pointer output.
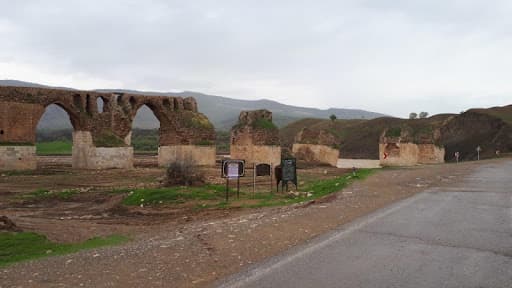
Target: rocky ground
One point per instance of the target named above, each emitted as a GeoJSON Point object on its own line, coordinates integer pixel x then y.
{"type": "Point", "coordinates": [176, 249]}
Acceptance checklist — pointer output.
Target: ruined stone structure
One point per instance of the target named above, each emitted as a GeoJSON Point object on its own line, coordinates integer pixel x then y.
{"type": "Point", "coordinates": [255, 138]}
{"type": "Point", "coordinates": [101, 137]}
{"type": "Point", "coordinates": [400, 148]}
{"type": "Point", "coordinates": [316, 146]}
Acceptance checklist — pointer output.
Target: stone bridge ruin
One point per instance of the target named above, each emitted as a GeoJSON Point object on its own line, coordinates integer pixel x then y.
{"type": "Point", "coordinates": [102, 135]}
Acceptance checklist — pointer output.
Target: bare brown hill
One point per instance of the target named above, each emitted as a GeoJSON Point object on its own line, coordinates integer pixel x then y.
{"type": "Point", "coordinates": [471, 129]}
{"type": "Point", "coordinates": [504, 113]}
{"type": "Point", "coordinates": [491, 129]}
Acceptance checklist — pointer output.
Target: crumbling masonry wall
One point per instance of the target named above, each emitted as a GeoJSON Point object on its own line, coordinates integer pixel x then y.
{"type": "Point", "coordinates": [402, 151]}
{"type": "Point", "coordinates": [316, 147]}
{"type": "Point", "coordinates": [316, 153]}
{"type": "Point", "coordinates": [180, 122]}
{"type": "Point", "coordinates": [255, 138]}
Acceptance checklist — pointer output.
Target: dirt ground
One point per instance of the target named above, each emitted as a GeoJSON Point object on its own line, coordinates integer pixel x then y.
{"type": "Point", "coordinates": [179, 247]}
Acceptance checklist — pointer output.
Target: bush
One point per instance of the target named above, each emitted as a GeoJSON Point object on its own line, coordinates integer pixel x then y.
{"type": "Point", "coordinates": [184, 172]}
{"type": "Point", "coordinates": [264, 124]}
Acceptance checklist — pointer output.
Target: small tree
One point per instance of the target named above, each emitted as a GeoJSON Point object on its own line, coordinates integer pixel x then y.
{"type": "Point", "coordinates": [413, 115]}
{"type": "Point", "coordinates": [333, 117]}
{"type": "Point", "coordinates": [423, 115]}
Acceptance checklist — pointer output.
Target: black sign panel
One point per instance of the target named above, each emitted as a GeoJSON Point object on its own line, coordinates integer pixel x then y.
{"type": "Point", "coordinates": [289, 166]}
{"type": "Point", "coordinates": [233, 168]}
{"type": "Point", "coordinates": [262, 170]}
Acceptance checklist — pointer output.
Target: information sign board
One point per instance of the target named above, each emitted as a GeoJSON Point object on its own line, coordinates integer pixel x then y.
{"type": "Point", "coordinates": [233, 168]}
{"type": "Point", "coordinates": [289, 166]}
{"type": "Point", "coordinates": [263, 169]}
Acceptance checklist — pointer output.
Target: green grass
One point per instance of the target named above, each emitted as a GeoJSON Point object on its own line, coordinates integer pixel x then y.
{"type": "Point", "coordinates": [16, 144]}
{"type": "Point", "coordinates": [213, 196]}
{"type": "Point", "coordinates": [175, 195]}
{"type": "Point", "coordinates": [19, 172]}
{"type": "Point", "coordinates": [317, 189]}
{"type": "Point", "coordinates": [23, 246]}
{"type": "Point", "coordinates": [264, 124]}
{"type": "Point", "coordinates": [108, 139]}
{"type": "Point", "coordinates": [54, 148]}
{"type": "Point", "coordinates": [42, 194]}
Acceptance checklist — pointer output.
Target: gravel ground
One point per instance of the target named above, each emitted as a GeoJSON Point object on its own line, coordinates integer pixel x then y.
{"type": "Point", "coordinates": [196, 253]}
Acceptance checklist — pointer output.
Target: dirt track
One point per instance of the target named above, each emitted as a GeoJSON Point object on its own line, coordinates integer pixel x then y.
{"type": "Point", "coordinates": [195, 250]}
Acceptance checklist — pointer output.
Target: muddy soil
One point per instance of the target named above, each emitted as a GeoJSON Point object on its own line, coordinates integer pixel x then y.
{"type": "Point", "coordinates": [178, 247]}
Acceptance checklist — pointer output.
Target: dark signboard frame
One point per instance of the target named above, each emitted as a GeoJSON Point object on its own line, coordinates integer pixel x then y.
{"type": "Point", "coordinates": [289, 171]}
{"type": "Point", "coordinates": [225, 168]}
{"type": "Point", "coordinates": [263, 169]}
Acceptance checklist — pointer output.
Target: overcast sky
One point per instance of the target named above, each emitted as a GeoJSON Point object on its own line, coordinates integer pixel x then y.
{"type": "Point", "coordinates": [393, 57]}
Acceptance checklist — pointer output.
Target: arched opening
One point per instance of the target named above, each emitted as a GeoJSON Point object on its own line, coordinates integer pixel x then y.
{"type": "Point", "coordinates": [100, 103]}
{"type": "Point", "coordinates": [54, 136]}
{"type": "Point", "coordinates": [145, 137]}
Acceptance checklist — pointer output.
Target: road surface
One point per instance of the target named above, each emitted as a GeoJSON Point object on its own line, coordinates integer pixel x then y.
{"type": "Point", "coordinates": [455, 237]}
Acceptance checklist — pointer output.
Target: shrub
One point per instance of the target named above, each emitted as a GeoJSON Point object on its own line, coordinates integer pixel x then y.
{"type": "Point", "coordinates": [264, 124]}
{"type": "Point", "coordinates": [184, 172]}
{"type": "Point", "coordinates": [394, 132]}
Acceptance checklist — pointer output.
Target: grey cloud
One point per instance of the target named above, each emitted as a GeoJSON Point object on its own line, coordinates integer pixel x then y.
{"type": "Point", "coordinates": [386, 56]}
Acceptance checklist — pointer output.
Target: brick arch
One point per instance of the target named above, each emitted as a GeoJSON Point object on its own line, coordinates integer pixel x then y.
{"type": "Point", "coordinates": [157, 109]}
{"type": "Point", "coordinates": [106, 104]}
{"type": "Point", "coordinates": [182, 128]}
{"type": "Point", "coordinates": [161, 109]}
{"type": "Point", "coordinates": [74, 118]}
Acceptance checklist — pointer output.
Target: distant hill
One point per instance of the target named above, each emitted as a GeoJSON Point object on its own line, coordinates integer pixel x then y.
{"type": "Point", "coordinates": [222, 111]}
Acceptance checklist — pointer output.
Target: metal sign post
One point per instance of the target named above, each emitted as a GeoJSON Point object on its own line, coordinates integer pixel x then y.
{"type": "Point", "coordinates": [227, 189]}
{"type": "Point", "coordinates": [263, 169]}
{"type": "Point", "coordinates": [233, 169]}
{"type": "Point", "coordinates": [271, 177]}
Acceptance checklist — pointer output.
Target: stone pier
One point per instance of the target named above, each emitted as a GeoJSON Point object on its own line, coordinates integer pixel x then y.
{"type": "Point", "coordinates": [193, 154]}
{"type": "Point", "coordinates": [88, 156]}
{"type": "Point", "coordinates": [401, 146]}
{"type": "Point", "coordinates": [255, 139]}
{"type": "Point", "coordinates": [18, 158]}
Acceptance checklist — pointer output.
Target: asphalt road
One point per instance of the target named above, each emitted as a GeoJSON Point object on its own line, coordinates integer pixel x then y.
{"type": "Point", "coordinates": [455, 237]}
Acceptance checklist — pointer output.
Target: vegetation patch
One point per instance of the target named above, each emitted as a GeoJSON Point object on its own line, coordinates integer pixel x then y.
{"type": "Point", "coordinates": [197, 121]}
{"type": "Point", "coordinates": [54, 148]}
{"type": "Point", "coordinates": [222, 141]}
{"type": "Point", "coordinates": [394, 132]}
{"type": "Point", "coordinates": [174, 195]}
{"type": "Point", "coordinates": [43, 194]}
{"type": "Point", "coordinates": [213, 196]}
{"type": "Point", "coordinates": [16, 144]}
{"type": "Point", "coordinates": [22, 246]}
{"type": "Point", "coordinates": [261, 123]}
{"type": "Point", "coordinates": [108, 139]}
{"type": "Point", "coordinates": [204, 143]}
{"type": "Point", "coordinates": [145, 140]}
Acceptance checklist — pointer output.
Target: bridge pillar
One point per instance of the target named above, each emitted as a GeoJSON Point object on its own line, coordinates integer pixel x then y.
{"type": "Point", "coordinates": [88, 156]}
{"type": "Point", "coordinates": [195, 154]}
{"type": "Point", "coordinates": [18, 158]}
